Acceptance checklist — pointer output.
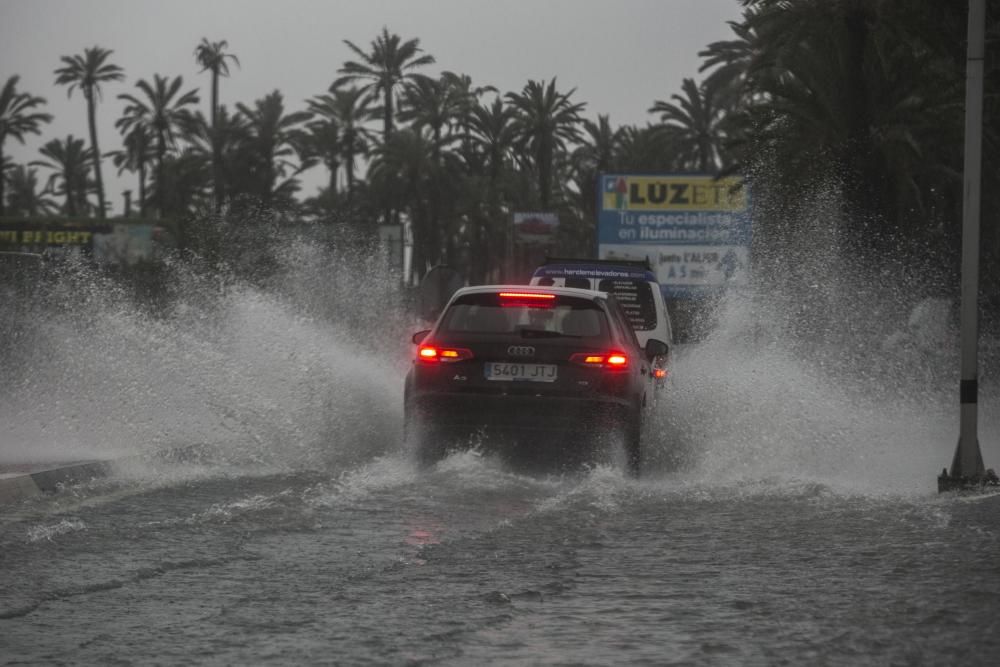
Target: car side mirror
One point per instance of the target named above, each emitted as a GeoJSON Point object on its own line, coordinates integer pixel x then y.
{"type": "Point", "coordinates": [656, 348]}
{"type": "Point", "coordinates": [419, 337]}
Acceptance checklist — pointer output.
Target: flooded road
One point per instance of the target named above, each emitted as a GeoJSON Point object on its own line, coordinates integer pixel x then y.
{"type": "Point", "coordinates": [262, 510]}
{"type": "Point", "coordinates": [469, 563]}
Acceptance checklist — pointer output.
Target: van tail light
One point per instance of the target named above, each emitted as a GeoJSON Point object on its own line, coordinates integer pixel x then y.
{"type": "Point", "coordinates": [659, 373]}
{"type": "Point", "coordinates": [610, 360]}
{"type": "Point", "coordinates": [433, 354]}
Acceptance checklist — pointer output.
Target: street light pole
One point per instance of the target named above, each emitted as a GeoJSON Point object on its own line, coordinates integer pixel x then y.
{"type": "Point", "coordinates": [967, 466]}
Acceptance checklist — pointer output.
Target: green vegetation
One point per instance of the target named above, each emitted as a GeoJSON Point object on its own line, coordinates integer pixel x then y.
{"type": "Point", "coordinates": [858, 98]}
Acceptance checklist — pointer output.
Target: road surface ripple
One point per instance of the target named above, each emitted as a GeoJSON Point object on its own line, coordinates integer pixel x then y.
{"type": "Point", "coordinates": [472, 563]}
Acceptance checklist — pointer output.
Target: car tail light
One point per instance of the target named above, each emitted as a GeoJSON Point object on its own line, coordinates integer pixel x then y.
{"type": "Point", "coordinates": [617, 360]}
{"type": "Point", "coordinates": [433, 354]}
{"type": "Point", "coordinates": [530, 299]}
{"type": "Point", "coordinates": [608, 360]}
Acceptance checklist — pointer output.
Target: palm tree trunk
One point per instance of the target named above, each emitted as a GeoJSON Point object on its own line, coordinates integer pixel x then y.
{"type": "Point", "coordinates": [544, 173]}
{"type": "Point", "coordinates": [332, 165]}
{"type": "Point", "coordinates": [142, 188]}
{"type": "Point", "coordinates": [387, 115]}
{"type": "Point", "coordinates": [96, 157]}
{"type": "Point", "coordinates": [3, 181]}
{"type": "Point", "coordinates": [269, 180]}
{"type": "Point", "coordinates": [70, 185]}
{"type": "Point", "coordinates": [387, 130]}
{"type": "Point", "coordinates": [417, 259]}
{"type": "Point", "coordinates": [216, 144]}
{"type": "Point", "coordinates": [349, 167]}
{"type": "Point", "coordinates": [161, 154]}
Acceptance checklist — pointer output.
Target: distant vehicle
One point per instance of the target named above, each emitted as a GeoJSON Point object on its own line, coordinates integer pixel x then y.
{"type": "Point", "coordinates": [633, 284]}
{"type": "Point", "coordinates": [546, 363]}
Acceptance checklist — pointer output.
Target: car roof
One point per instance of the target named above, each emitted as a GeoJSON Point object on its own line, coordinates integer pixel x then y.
{"type": "Point", "coordinates": [584, 269]}
{"type": "Point", "coordinates": [532, 289]}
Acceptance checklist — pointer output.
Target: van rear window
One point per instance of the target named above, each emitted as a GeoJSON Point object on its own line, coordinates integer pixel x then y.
{"type": "Point", "coordinates": [636, 299]}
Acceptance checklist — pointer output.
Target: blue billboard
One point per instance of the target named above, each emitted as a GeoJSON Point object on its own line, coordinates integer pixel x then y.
{"type": "Point", "coordinates": [693, 229]}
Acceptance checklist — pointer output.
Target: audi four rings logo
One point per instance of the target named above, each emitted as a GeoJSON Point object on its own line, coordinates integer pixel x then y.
{"type": "Point", "coordinates": [521, 351]}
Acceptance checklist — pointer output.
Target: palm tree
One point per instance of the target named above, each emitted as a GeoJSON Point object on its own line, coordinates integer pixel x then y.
{"type": "Point", "coordinates": [341, 115]}
{"type": "Point", "coordinates": [735, 63]}
{"type": "Point", "coordinates": [429, 103]}
{"type": "Point", "coordinates": [492, 139]}
{"type": "Point", "coordinates": [597, 152]}
{"type": "Point", "coordinates": [184, 184]}
{"type": "Point", "coordinates": [212, 56]}
{"type": "Point", "coordinates": [400, 170]}
{"type": "Point", "coordinates": [320, 140]}
{"type": "Point", "coordinates": [545, 120]}
{"type": "Point", "coordinates": [647, 149]}
{"type": "Point", "coordinates": [229, 135]}
{"type": "Point", "coordinates": [390, 63]}
{"type": "Point", "coordinates": [866, 95]}
{"type": "Point", "coordinates": [138, 153]}
{"type": "Point", "coordinates": [385, 68]}
{"type": "Point", "coordinates": [594, 156]}
{"type": "Point", "coordinates": [694, 121]}
{"type": "Point", "coordinates": [88, 72]}
{"type": "Point", "coordinates": [16, 120]}
{"type": "Point", "coordinates": [163, 112]}
{"type": "Point", "coordinates": [24, 198]}
{"type": "Point", "coordinates": [271, 144]}
{"type": "Point", "coordinates": [70, 161]}
{"type": "Point", "coordinates": [465, 98]}
{"type": "Point", "coordinates": [493, 136]}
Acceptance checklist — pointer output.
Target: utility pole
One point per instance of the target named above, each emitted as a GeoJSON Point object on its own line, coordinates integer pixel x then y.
{"type": "Point", "coordinates": [967, 468]}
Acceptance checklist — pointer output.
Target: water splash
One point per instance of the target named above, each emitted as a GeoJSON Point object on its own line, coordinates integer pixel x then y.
{"type": "Point", "coordinates": [280, 374]}
{"type": "Point", "coordinates": [834, 367]}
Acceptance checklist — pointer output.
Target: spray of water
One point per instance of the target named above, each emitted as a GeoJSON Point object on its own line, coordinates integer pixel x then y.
{"type": "Point", "coordinates": [828, 368]}
{"type": "Point", "coordinates": [293, 371]}
{"type": "Point", "coordinates": [833, 366]}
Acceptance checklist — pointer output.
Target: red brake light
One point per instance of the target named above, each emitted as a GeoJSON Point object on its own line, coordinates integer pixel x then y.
{"type": "Point", "coordinates": [617, 360]}
{"type": "Point", "coordinates": [529, 299]}
{"type": "Point", "coordinates": [609, 360]}
{"type": "Point", "coordinates": [527, 295]}
{"type": "Point", "coordinates": [432, 354]}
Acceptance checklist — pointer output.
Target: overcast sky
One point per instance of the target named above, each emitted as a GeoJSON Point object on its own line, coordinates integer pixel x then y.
{"type": "Point", "coordinates": [620, 55]}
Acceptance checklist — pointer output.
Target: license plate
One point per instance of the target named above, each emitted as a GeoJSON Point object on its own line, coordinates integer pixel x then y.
{"type": "Point", "coordinates": [507, 372]}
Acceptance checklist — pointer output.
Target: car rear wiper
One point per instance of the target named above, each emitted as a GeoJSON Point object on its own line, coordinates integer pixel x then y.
{"type": "Point", "coordinates": [543, 333]}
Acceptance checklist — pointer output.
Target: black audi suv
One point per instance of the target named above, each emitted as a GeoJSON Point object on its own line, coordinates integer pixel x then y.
{"type": "Point", "coordinates": [531, 365]}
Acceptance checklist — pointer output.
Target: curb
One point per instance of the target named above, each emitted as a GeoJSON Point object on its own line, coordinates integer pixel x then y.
{"type": "Point", "coordinates": [24, 481]}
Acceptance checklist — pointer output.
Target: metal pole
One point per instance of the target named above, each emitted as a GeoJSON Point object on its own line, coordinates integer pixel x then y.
{"type": "Point", "coordinates": [967, 464]}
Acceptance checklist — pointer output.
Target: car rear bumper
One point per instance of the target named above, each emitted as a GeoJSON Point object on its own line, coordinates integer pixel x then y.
{"type": "Point", "coordinates": [518, 413]}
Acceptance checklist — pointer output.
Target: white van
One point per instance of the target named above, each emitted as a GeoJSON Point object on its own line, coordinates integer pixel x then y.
{"type": "Point", "coordinates": [633, 284]}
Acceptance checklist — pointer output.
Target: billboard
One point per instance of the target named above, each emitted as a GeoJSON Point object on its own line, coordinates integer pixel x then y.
{"type": "Point", "coordinates": [106, 242]}
{"type": "Point", "coordinates": [535, 227]}
{"type": "Point", "coordinates": [694, 229]}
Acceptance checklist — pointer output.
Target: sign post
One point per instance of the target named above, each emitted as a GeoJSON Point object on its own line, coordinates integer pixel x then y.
{"type": "Point", "coordinates": [967, 469]}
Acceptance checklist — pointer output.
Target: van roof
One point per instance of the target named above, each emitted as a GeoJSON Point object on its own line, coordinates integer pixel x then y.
{"type": "Point", "coordinates": [595, 268]}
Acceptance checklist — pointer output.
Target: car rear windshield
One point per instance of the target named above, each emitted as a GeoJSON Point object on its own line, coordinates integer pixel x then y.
{"type": "Point", "coordinates": [636, 298]}
{"type": "Point", "coordinates": [564, 316]}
